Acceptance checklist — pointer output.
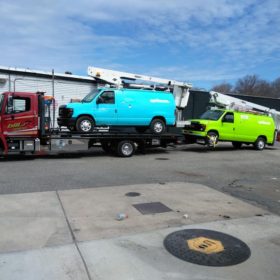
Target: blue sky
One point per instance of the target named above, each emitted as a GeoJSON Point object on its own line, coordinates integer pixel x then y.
{"type": "Point", "coordinates": [204, 42]}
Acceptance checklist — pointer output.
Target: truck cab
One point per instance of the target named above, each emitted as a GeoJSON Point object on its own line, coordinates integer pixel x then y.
{"type": "Point", "coordinates": [19, 121]}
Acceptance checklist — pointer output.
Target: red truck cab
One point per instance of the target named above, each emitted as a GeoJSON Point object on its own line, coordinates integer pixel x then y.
{"type": "Point", "coordinates": [19, 118]}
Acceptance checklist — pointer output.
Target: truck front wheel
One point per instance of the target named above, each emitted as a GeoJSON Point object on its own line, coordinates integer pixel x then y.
{"type": "Point", "coordinates": [84, 124]}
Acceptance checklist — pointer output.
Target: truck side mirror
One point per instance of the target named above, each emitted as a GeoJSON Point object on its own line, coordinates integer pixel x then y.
{"type": "Point", "coordinates": [10, 105]}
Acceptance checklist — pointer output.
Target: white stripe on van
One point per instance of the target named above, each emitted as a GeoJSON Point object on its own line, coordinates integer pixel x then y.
{"type": "Point", "coordinates": [159, 101]}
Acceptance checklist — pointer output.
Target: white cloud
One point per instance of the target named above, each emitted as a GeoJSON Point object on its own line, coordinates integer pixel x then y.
{"type": "Point", "coordinates": [231, 37]}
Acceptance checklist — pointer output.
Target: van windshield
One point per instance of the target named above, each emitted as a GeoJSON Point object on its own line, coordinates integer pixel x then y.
{"type": "Point", "coordinates": [1, 101]}
{"type": "Point", "coordinates": [88, 98]}
{"type": "Point", "coordinates": [212, 115]}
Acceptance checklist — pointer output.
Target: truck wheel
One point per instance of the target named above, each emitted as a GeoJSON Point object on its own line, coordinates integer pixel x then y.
{"type": "Point", "coordinates": [158, 126]}
{"type": "Point", "coordinates": [84, 124]}
{"type": "Point", "coordinates": [212, 139]}
{"type": "Point", "coordinates": [260, 144]}
{"type": "Point", "coordinates": [236, 145]}
{"type": "Point", "coordinates": [125, 148]}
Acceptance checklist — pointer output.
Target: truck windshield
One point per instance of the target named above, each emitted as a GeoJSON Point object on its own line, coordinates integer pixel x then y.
{"type": "Point", "coordinates": [1, 101]}
{"type": "Point", "coordinates": [88, 98]}
{"type": "Point", "coordinates": [212, 115]}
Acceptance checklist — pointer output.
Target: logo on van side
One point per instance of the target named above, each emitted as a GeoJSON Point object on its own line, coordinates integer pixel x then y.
{"type": "Point", "coordinates": [159, 101]}
{"type": "Point", "coordinates": [264, 122]}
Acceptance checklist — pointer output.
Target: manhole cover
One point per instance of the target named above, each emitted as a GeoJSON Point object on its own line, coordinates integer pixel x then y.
{"type": "Point", "coordinates": [151, 208]}
{"type": "Point", "coordinates": [207, 247]}
{"type": "Point", "coordinates": [132, 194]}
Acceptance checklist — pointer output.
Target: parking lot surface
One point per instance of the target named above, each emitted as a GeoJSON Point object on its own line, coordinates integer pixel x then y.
{"type": "Point", "coordinates": [247, 174]}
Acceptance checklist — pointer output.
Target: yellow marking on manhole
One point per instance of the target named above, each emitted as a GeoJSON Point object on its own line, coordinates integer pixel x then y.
{"type": "Point", "coordinates": [205, 245]}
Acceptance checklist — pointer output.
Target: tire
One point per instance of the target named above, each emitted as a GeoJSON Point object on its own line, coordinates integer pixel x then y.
{"type": "Point", "coordinates": [158, 126]}
{"type": "Point", "coordinates": [212, 139]}
{"type": "Point", "coordinates": [125, 148]}
{"type": "Point", "coordinates": [260, 143]}
{"type": "Point", "coordinates": [236, 145]}
{"type": "Point", "coordinates": [85, 124]}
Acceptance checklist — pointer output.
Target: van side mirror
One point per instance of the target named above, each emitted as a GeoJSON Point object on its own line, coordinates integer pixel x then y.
{"type": "Point", "coordinates": [10, 105]}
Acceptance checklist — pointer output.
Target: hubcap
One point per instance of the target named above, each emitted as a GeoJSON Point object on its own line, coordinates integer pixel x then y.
{"type": "Point", "coordinates": [261, 144]}
{"type": "Point", "coordinates": [158, 127]}
{"type": "Point", "coordinates": [85, 125]}
{"type": "Point", "coordinates": [127, 149]}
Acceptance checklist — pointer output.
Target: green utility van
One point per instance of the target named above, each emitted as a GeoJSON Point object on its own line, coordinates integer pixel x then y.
{"type": "Point", "coordinates": [234, 126]}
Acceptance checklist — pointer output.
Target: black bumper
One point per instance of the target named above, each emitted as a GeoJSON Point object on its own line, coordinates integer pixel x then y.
{"type": "Point", "coordinates": [66, 121]}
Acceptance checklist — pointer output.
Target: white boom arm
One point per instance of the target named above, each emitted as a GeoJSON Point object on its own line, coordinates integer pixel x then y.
{"type": "Point", "coordinates": [230, 102]}
{"type": "Point", "coordinates": [180, 89]}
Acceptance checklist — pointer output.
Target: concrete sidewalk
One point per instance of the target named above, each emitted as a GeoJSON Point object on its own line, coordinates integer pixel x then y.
{"type": "Point", "coordinates": [74, 234]}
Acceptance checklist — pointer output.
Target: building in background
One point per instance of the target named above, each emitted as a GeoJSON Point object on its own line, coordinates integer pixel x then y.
{"type": "Point", "coordinates": [65, 87]}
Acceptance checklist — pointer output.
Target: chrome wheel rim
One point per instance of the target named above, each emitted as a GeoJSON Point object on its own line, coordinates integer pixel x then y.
{"type": "Point", "coordinates": [158, 127]}
{"type": "Point", "coordinates": [127, 149]}
{"type": "Point", "coordinates": [85, 125]}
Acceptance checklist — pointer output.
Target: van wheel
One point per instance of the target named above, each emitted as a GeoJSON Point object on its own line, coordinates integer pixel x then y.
{"type": "Point", "coordinates": [260, 144]}
{"type": "Point", "coordinates": [84, 124]}
{"type": "Point", "coordinates": [212, 139]}
{"type": "Point", "coordinates": [158, 126]}
{"type": "Point", "coordinates": [125, 148]}
{"type": "Point", "coordinates": [236, 145]}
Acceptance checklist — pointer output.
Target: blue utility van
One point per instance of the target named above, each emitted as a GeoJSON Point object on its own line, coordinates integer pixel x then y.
{"type": "Point", "coordinates": [139, 108]}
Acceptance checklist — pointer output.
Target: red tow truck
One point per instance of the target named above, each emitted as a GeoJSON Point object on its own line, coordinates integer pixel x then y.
{"type": "Point", "coordinates": [25, 127]}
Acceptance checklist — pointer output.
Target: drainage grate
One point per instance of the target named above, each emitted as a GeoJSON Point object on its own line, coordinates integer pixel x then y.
{"type": "Point", "coordinates": [133, 194]}
{"type": "Point", "coordinates": [207, 247]}
{"type": "Point", "coordinates": [162, 158]}
{"type": "Point", "coordinates": [152, 208]}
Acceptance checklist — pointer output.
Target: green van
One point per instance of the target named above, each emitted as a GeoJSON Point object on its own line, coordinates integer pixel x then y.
{"type": "Point", "coordinates": [235, 126]}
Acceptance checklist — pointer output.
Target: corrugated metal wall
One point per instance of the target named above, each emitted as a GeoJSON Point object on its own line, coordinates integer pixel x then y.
{"type": "Point", "coordinates": [64, 90]}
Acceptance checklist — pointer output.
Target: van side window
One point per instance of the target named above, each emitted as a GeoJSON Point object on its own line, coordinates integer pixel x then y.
{"type": "Point", "coordinates": [20, 105]}
{"type": "Point", "coordinates": [228, 118]}
{"type": "Point", "coordinates": [107, 97]}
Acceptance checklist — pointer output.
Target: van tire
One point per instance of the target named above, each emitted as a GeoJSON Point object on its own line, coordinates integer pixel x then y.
{"type": "Point", "coordinates": [212, 139]}
{"type": "Point", "coordinates": [158, 126]}
{"type": "Point", "coordinates": [85, 124]}
{"type": "Point", "coordinates": [237, 145]}
{"type": "Point", "coordinates": [260, 143]}
{"type": "Point", "coordinates": [125, 148]}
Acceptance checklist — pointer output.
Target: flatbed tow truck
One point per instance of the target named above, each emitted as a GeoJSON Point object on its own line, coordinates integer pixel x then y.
{"type": "Point", "coordinates": [25, 128]}
{"type": "Point", "coordinates": [25, 120]}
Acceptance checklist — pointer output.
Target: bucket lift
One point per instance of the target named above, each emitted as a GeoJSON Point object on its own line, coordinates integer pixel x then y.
{"type": "Point", "coordinates": [229, 102]}
{"type": "Point", "coordinates": [180, 90]}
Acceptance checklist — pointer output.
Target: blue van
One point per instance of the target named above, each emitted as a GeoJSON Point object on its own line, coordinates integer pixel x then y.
{"type": "Point", "coordinates": [139, 108]}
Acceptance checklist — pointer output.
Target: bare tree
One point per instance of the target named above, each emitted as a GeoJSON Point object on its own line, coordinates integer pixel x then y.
{"type": "Point", "coordinates": [276, 88]}
{"type": "Point", "coordinates": [222, 88]}
{"type": "Point", "coordinates": [246, 85]}
{"type": "Point", "coordinates": [253, 85]}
